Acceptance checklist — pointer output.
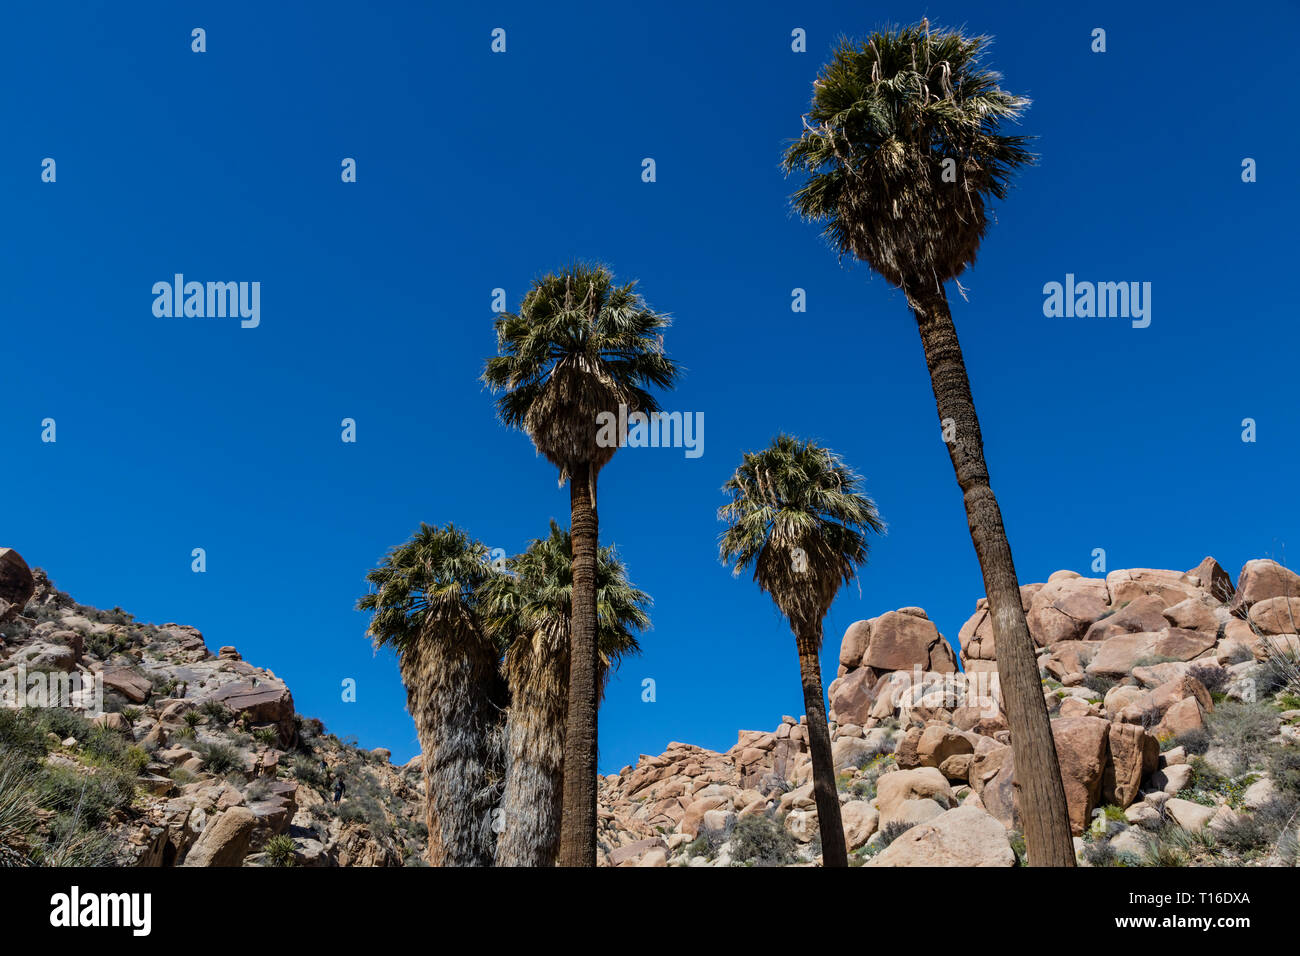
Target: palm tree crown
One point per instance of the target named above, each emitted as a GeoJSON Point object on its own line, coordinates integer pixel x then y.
{"type": "Point", "coordinates": [886, 118]}
{"type": "Point", "coordinates": [797, 517]}
{"type": "Point", "coordinates": [527, 608]}
{"type": "Point", "coordinates": [579, 345]}
{"type": "Point", "coordinates": [433, 577]}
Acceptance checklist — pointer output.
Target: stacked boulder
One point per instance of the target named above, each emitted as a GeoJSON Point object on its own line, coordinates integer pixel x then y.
{"type": "Point", "coordinates": [1119, 657]}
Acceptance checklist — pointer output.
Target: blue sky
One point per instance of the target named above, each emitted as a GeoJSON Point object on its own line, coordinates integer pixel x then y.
{"type": "Point", "coordinates": [479, 170]}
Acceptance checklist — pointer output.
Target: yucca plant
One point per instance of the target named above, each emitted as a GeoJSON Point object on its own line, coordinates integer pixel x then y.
{"type": "Point", "coordinates": [424, 601]}
{"type": "Point", "coordinates": [904, 148]}
{"type": "Point", "coordinates": [527, 610]}
{"type": "Point", "coordinates": [580, 346]}
{"type": "Point", "coordinates": [798, 518]}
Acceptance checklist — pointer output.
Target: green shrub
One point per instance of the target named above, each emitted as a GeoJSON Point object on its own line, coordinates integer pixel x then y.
{"type": "Point", "coordinates": [761, 840]}
{"type": "Point", "coordinates": [87, 797]}
{"type": "Point", "coordinates": [1243, 730]}
{"type": "Point", "coordinates": [220, 758]}
{"type": "Point", "coordinates": [279, 850]}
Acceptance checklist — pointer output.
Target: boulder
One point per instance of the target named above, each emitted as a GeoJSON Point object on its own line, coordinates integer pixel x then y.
{"type": "Point", "coordinates": [1081, 746]}
{"type": "Point", "coordinates": [1119, 655]}
{"type": "Point", "coordinates": [1194, 614]}
{"type": "Point", "coordinates": [1276, 615]}
{"type": "Point", "coordinates": [133, 686]}
{"type": "Point", "coordinates": [852, 696]}
{"type": "Point", "coordinates": [225, 841]}
{"type": "Point", "coordinates": [1065, 608]}
{"type": "Point", "coordinates": [1129, 585]}
{"type": "Point", "coordinates": [963, 836]}
{"type": "Point", "coordinates": [1260, 580]}
{"type": "Point", "coordinates": [860, 820]}
{"type": "Point", "coordinates": [17, 585]}
{"type": "Point", "coordinates": [1210, 576]}
{"type": "Point", "coordinates": [904, 641]}
{"type": "Point", "coordinates": [266, 702]}
{"type": "Point", "coordinates": [1133, 755]}
{"type": "Point", "coordinates": [857, 637]}
{"type": "Point", "coordinates": [1143, 614]}
{"type": "Point", "coordinates": [938, 742]}
{"type": "Point", "coordinates": [1188, 814]}
{"type": "Point", "coordinates": [895, 789]}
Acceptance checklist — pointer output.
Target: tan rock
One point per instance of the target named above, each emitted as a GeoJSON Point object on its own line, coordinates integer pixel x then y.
{"type": "Point", "coordinates": [1081, 746]}
{"type": "Point", "coordinates": [964, 836]}
{"type": "Point", "coordinates": [900, 786]}
{"type": "Point", "coordinates": [860, 820]}
{"type": "Point", "coordinates": [225, 841]}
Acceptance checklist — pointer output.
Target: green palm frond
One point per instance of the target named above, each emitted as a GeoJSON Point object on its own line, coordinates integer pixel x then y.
{"type": "Point", "coordinates": [435, 575]}
{"type": "Point", "coordinates": [527, 608]}
{"type": "Point", "coordinates": [798, 517]}
{"type": "Point", "coordinates": [888, 116]}
{"type": "Point", "coordinates": [579, 345]}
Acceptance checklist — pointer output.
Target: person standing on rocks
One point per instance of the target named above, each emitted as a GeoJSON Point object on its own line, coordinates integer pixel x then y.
{"type": "Point", "coordinates": [339, 787]}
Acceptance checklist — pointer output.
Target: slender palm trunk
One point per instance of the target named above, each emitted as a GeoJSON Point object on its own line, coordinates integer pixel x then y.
{"type": "Point", "coordinates": [535, 772]}
{"type": "Point", "coordinates": [578, 827]}
{"type": "Point", "coordinates": [825, 793]}
{"type": "Point", "coordinates": [1038, 772]}
{"type": "Point", "coordinates": [449, 693]}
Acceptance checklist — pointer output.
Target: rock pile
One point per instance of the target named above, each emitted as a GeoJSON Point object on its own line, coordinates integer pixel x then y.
{"type": "Point", "coordinates": [226, 773]}
{"type": "Point", "coordinates": [922, 746]}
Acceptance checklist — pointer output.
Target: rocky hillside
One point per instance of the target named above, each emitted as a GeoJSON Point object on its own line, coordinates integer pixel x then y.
{"type": "Point", "coordinates": [1175, 700]}
{"type": "Point", "coordinates": [199, 760]}
{"type": "Point", "coordinates": [1175, 704]}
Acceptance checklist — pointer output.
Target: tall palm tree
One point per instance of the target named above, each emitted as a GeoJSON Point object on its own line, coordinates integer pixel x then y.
{"type": "Point", "coordinates": [904, 151]}
{"type": "Point", "coordinates": [528, 609]}
{"type": "Point", "coordinates": [797, 517]}
{"type": "Point", "coordinates": [579, 347]}
{"type": "Point", "coordinates": [423, 599]}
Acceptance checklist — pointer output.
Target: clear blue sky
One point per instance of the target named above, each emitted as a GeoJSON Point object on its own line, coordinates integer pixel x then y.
{"type": "Point", "coordinates": [478, 171]}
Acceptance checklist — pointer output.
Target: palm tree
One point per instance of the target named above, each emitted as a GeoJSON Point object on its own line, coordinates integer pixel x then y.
{"type": "Point", "coordinates": [904, 151]}
{"type": "Point", "coordinates": [579, 348]}
{"type": "Point", "coordinates": [424, 597]}
{"type": "Point", "coordinates": [528, 610]}
{"type": "Point", "coordinates": [797, 517]}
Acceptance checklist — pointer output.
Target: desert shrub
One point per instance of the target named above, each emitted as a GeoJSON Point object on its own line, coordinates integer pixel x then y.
{"type": "Point", "coordinates": [364, 808]}
{"type": "Point", "coordinates": [1243, 730]}
{"type": "Point", "coordinates": [308, 770]}
{"type": "Point", "coordinates": [279, 850]}
{"type": "Point", "coordinates": [181, 776]}
{"type": "Point", "coordinates": [1195, 742]}
{"type": "Point", "coordinates": [1019, 847]}
{"type": "Point", "coordinates": [269, 736]}
{"type": "Point", "coordinates": [892, 831]}
{"type": "Point", "coordinates": [761, 840]}
{"type": "Point", "coordinates": [217, 712]}
{"type": "Point", "coordinates": [63, 723]}
{"type": "Point", "coordinates": [1214, 677]}
{"type": "Point", "coordinates": [192, 718]}
{"type": "Point", "coordinates": [1284, 768]}
{"type": "Point", "coordinates": [88, 798]}
{"type": "Point", "coordinates": [864, 788]}
{"type": "Point", "coordinates": [1100, 853]}
{"type": "Point", "coordinates": [257, 790]}
{"type": "Point", "coordinates": [1281, 671]}
{"type": "Point", "coordinates": [1099, 683]}
{"type": "Point", "coordinates": [713, 838]}
{"type": "Point", "coordinates": [21, 735]}
{"type": "Point", "coordinates": [220, 758]}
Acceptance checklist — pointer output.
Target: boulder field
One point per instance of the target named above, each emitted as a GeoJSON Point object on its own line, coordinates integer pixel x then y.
{"type": "Point", "coordinates": [922, 748]}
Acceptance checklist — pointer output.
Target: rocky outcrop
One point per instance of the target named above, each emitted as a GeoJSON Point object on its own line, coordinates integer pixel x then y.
{"type": "Point", "coordinates": [922, 749]}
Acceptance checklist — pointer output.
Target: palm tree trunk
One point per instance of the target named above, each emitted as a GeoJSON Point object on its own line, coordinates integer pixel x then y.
{"type": "Point", "coordinates": [825, 793]}
{"type": "Point", "coordinates": [1038, 772]}
{"type": "Point", "coordinates": [534, 775]}
{"type": "Point", "coordinates": [578, 825]}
